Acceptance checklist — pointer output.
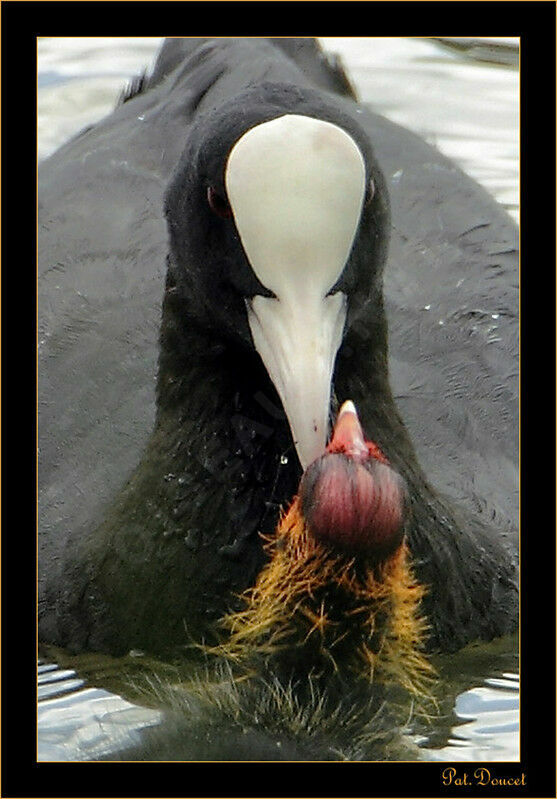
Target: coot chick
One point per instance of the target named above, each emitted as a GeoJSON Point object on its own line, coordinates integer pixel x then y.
{"type": "Point", "coordinates": [325, 660]}
{"type": "Point", "coordinates": [274, 184]}
{"type": "Point", "coordinates": [338, 595]}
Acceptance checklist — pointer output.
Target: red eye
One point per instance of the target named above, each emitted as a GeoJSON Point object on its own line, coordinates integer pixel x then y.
{"type": "Point", "coordinates": [218, 204]}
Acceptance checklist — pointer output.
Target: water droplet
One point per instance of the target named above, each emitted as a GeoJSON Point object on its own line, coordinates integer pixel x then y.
{"type": "Point", "coordinates": [191, 540]}
{"type": "Point", "coordinates": [284, 459]}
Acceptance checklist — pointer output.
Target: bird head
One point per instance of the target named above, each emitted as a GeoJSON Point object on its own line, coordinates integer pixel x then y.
{"type": "Point", "coordinates": [278, 222]}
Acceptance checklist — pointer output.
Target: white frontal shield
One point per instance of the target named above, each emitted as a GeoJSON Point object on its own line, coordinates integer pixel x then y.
{"type": "Point", "coordinates": [296, 187]}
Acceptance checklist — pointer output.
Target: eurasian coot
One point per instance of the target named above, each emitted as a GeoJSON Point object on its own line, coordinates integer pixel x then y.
{"type": "Point", "coordinates": [211, 291]}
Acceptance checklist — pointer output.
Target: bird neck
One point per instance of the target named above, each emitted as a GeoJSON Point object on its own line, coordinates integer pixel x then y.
{"type": "Point", "coordinates": [216, 400]}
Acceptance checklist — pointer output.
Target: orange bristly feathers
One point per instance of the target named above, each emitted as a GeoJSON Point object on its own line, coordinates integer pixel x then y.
{"type": "Point", "coordinates": [323, 611]}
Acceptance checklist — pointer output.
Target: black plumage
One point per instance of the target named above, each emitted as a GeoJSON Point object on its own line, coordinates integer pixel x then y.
{"type": "Point", "coordinates": [164, 449]}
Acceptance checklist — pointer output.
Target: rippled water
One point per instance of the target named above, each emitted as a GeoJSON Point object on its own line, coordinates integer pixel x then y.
{"type": "Point", "coordinates": [460, 95]}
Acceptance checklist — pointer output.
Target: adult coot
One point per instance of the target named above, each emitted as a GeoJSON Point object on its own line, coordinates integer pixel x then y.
{"type": "Point", "coordinates": [211, 292]}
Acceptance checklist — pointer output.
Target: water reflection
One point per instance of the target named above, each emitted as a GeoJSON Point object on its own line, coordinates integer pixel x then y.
{"type": "Point", "coordinates": [106, 713]}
